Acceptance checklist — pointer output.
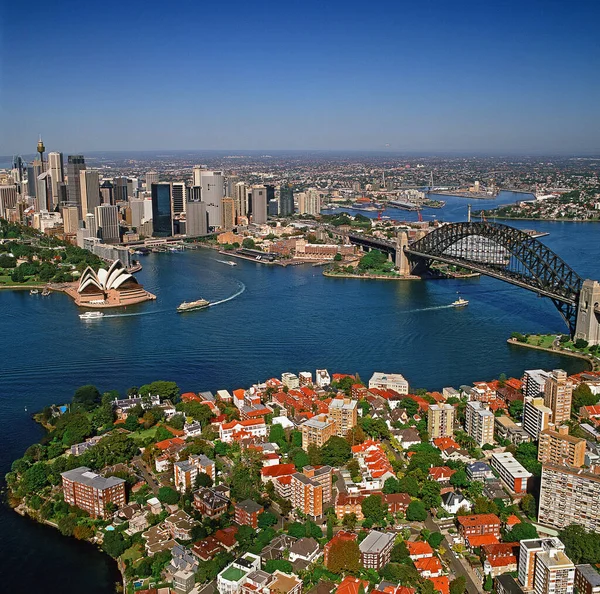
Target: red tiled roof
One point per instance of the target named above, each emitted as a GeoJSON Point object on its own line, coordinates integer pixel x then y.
{"type": "Point", "coordinates": [480, 540]}
{"type": "Point", "coordinates": [593, 410]}
{"type": "Point", "coordinates": [278, 470]}
{"type": "Point", "coordinates": [351, 585]}
{"type": "Point", "coordinates": [445, 443]}
{"type": "Point", "coordinates": [190, 397]}
{"type": "Point", "coordinates": [440, 473]}
{"type": "Point", "coordinates": [419, 547]}
{"type": "Point", "coordinates": [512, 520]}
{"type": "Point", "coordinates": [478, 520]}
{"type": "Point", "coordinates": [165, 444]}
{"type": "Point", "coordinates": [226, 536]}
{"type": "Point", "coordinates": [441, 584]}
{"type": "Point", "coordinates": [431, 564]}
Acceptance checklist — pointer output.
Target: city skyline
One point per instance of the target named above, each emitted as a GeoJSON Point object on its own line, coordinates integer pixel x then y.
{"type": "Point", "coordinates": [395, 78]}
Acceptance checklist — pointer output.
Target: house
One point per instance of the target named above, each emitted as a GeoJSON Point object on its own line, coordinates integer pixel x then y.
{"type": "Point", "coordinates": [225, 537]}
{"type": "Point", "coordinates": [407, 437]}
{"type": "Point", "coordinates": [247, 512]}
{"type": "Point", "coordinates": [429, 567]}
{"type": "Point", "coordinates": [137, 523]}
{"type": "Point", "coordinates": [478, 524]}
{"type": "Point", "coordinates": [441, 584]}
{"type": "Point", "coordinates": [419, 549]}
{"type": "Point", "coordinates": [180, 525]}
{"type": "Point", "coordinates": [207, 548]}
{"type": "Point", "coordinates": [347, 503]}
{"type": "Point", "coordinates": [440, 474]}
{"type": "Point", "coordinates": [239, 430]}
{"type": "Point", "coordinates": [506, 584]}
{"type": "Point", "coordinates": [453, 501]}
{"type": "Point", "coordinates": [182, 560]}
{"type": "Point", "coordinates": [157, 539]}
{"type": "Point", "coordinates": [479, 471]}
{"type": "Point", "coordinates": [282, 583]}
{"type": "Point", "coordinates": [352, 585]}
{"type": "Point", "coordinates": [211, 501]}
{"type": "Point", "coordinates": [277, 547]}
{"type": "Point", "coordinates": [154, 505]}
{"type": "Point", "coordinates": [476, 541]}
{"type": "Point", "coordinates": [304, 549]}
{"type": "Point", "coordinates": [389, 588]}
{"type": "Point", "coordinates": [376, 548]}
{"type": "Point", "coordinates": [397, 502]}
{"type": "Point", "coordinates": [232, 578]}
{"type": "Point", "coordinates": [500, 558]}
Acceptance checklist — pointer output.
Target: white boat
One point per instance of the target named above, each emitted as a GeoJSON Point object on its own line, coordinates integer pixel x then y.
{"type": "Point", "coordinates": [229, 262]}
{"type": "Point", "coordinates": [460, 302]}
{"type": "Point", "coordinates": [91, 315]}
{"type": "Point", "coordinates": [33, 292]}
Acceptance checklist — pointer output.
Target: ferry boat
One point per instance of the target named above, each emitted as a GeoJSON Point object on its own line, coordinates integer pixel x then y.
{"type": "Point", "coordinates": [33, 292]}
{"type": "Point", "coordinates": [228, 262]}
{"type": "Point", "coordinates": [193, 305]}
{"type": "Point", "coordinates": [91, 315]}
{"type": "Point", "coordinates": [460, 302]}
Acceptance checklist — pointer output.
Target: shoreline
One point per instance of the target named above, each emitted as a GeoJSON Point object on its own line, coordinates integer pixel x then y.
{"type": "Point", "coordinates": [553, 220]}
{"type": "Point", "coordinates": [371, 277]}
{"type": "Point", "coordinates": [592, 364]}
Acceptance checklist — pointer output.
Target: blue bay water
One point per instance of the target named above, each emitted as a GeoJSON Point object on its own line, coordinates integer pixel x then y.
{"type": "Point", "coordinates": [290, 319]}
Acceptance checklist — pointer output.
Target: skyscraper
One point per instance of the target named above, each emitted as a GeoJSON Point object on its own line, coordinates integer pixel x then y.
{"type": "Point", "coordinates": [107, 192]}
{"type": "Point", "coordinates": [259, 205]}
{"type": "Point", "coordinates": [213, 191]}
{"type": "Point", "coordinates": [240, 197]}
{"type": "Point", "coordinates": [178, 197]}
{"type": "Point", "coordinates": [43, 192]}
{"type": "Point", "coordinates": [90, 224]}
{"type": "Point", "coordinates": [557, 396]}
{"type": "Point", "coordinates": [162, 221]}
{"type": "Point", "coordinates": [196, 218]}
{"type": "Point", "coordinates": [75, 165]}
{"type": "Point", "coordinates": [479, 422]}
{"type": "Point", "coordinates": [286, 201]}
{"type": "Point", "coordinates": [120, 189]}
{"type": "Point", "coordinates": [151, 178]}
{"type": "Point", "coordinates": [232, 180]}
{"type": "Point", "coordinates": [70, 216]}
{"type": "Point", "coordinates": [228, 210]}
{"type": "Point", "coordinates": [89, 185]}
{"type": "Point", "coordinates": [57, 174]}
{"type": "Point", "coordinates": [8, 198]}
{"type": "Point", "coordinates": [107, 219]}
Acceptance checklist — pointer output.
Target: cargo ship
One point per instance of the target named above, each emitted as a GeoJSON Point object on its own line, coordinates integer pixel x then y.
{"type": "Point", "coordinates": [193, 305]}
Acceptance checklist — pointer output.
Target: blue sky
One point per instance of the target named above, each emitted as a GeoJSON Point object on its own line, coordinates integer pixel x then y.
{"type": "Point", "coordinates": [484, 76]}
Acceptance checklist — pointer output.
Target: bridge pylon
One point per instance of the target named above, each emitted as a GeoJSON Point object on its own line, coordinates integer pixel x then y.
{"type": "Point", "coordinates": [402, 262]}
{"type": "Point", "coordinates": [588, 313]}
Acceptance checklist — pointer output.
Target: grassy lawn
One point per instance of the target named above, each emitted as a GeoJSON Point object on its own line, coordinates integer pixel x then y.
{"type": "Point", "coordinates": [144, 434]}
{"type": "Point", "coordinates": [7, 281]}
{"type": "Point", "coordinates": [543, 340]}
{"type": "Point", "coordinates": [133, 553]}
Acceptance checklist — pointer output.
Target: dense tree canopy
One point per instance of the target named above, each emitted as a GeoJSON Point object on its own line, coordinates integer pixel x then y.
{"type": "Point", "coordinates": [336, 452]}
{"type": "Point", "coordinates": [86, 398]}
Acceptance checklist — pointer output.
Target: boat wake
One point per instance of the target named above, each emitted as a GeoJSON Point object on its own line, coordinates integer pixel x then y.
{"type": "Point", "coordinates": [237, 294]}
{"type": "Point", "coordinates": [431, 308]}
{"type": "Point", "coordinates": [131, 315]}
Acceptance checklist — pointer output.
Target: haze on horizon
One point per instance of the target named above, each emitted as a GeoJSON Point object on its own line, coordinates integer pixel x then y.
{"type": "Point", "coordinates": [471, 77]}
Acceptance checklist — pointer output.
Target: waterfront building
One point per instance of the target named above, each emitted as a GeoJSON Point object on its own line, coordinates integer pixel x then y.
{"type": "Point", "coordinates": [344, 413]}
{"type": "Point", "coordinates": [290, 380]}
{"type": "Point", "coordinates": [107, 220]}
{"type": "Point", "coordinates": [57, 175]}
{"type": "Point", "coordinates": [286, 200]}
{"type": "Point", "coordinates": [479, 422]}
{"type": "Point", "coordinates": [152, 177]}
{"type": "Point", "coordinates": [534, 382]}
{"type": "Point", "coordinates": [536, 416]}
{"type": "Point", "coordinates": [89, 185]}
{"type": "Point", "coordinates": [259, 205]}
{"type": "Point", "coordinates": [511, 473]}
{"type": "Point", "coordinates": [389, 381]}
{"type": "Point", "coordinates": [376, 549]}
{"type": "Point", "coordinates": [558, 447]}
{"type": "Point", "coordinates": [162, 218]}
{"type": "Point", "coordinates": [569, 496]}
{"type": "Point", "coordinates": [236, 430]}
{"type": "Point", "coordinates": [75, 165]}
{"type": "Point", "coordinates": [317, 431]}
{"type": "Point", "coordinates": [91, 492]}
{"type": "Point", "coordinates": [558, 392]}
{"type": "Point", "coordinates": [141, 210]}
{"type": "Point", "coordinates": [178, 198]}
{"type": "Point", "coordinates": [213, 192]}
{"type": "Point", "coordinates": [228, 214]}
{"type": "Point", "coordinates": [196, 218]}
{"type": "Point", "coordinates": [440, 421]}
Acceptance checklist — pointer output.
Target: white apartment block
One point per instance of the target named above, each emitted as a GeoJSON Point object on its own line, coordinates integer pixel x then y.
{"type": "Point", "coordinates": [479, 422]}
{"type": "Point", "coordinates": [536, 416]}
{"type": "Point", "coordinates": [389, 381]}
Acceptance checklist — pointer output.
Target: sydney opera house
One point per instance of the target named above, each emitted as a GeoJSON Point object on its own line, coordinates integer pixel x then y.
{"type": "Point", "coordinates": [114, 287]}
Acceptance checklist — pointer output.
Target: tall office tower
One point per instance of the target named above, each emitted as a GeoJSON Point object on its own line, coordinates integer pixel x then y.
{"type": "Point", "coordinates": [152, 177]}
{"type": "Point", "coordinates": [43, 192]}
{"type": "Point", "coordinates": [273, 208]}
{"type": "Point", "coordinates": [107, 192]}
{"type": "Point", "coordinates": [57, 173]}
{"type": "Point", "coordinates": [141, 210]}
{"type": "Point", "coordinates": [90, 224]}
{"type": "Point", "coordinates": [313, 202]}
{"type": "Point", "coordinates": [193, 194]}
{"type": "Point", "coordinates": [197, 175]}
{"type": "Point", "coordinates": [569, 496]}
{"type": "Point", "coordinates": [107, 219]}
{"type": "Point", "coordinates": [70, 216]}
{"type": "Point", "coordinates": [228, 210]}
{"type": "Point", "coordinates": [528, 560]}
{"type": "Point", "coordinates": [75, 165]}
{"type": "Point", "coordinates": [557, 396]}
{"type": "Point", "coordinates": [286, 201]}
{"type": "Point", "coordinates": [270, 192]}
{"type": "Point", "coordinates": [178, 198]}
{"type": "Point", "coordinates": [213, 191]}
{"type": "Point", "coordinates": [89, 185]}
{"type": "Point", "coordinates": [440, 421]}
{"type": "Point", "coordinates": [536, 416]}
{"type": "Point", "coordinates": [558, 447]}
{"type": "Point", "coordinates": [162, 221]}
{"type": "Point", "coordinates": [479, 422]}
{"type": "Point", "coordinates": [62, 193]}
{"type": "Point", "coordinates": [8, 197]}
{"type": "Point", "coordinates": [120, 189]}
{"type": "Point", "coordinates": [240, 196]}
{"type": "Point", "coordinates": [196, 218]}
{"type": "Point", "coordinates": [18, 170]}
{"type": "Point", "coordinates": [259, 205]}
{"type": "Point", "coordinates": [132, 187]}
{"type": "Point", "coordinates": [232, 180]}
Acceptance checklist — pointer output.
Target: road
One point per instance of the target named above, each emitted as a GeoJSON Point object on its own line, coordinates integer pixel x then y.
{"type": "Point", "coordinates": [148, 476]}
{"type": "Point", "coordinates": [455, 564]}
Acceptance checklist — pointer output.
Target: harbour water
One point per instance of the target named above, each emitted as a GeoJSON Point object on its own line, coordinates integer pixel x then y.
{"type": "Point", "coordinates": [286, 319]}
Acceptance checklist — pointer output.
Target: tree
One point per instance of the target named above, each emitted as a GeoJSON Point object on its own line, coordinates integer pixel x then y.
{"type": "Point", "coordinates": [580, 343]}
{"type": "Point", "coordinates": [166, 390]}
{"type": "Point", "coordinates": [114, 544]}
{"type": "Point", "coordinates": [408, 484]}
{"type": "Point", "coordinates": [399, 553]}
{"type": "Point", "coordinates": [582, 396]}
{"type": "Point", "coordinates": [411, 407]}
{"type": "Point", "coordinates": [459, 478]}
{"type": "Point", "coordinates": [249, 243]}
{"type": "Point", "coordinates": [177, 422]}
{"type": "Point", "coordinates": [131, 423]}
{"type": "Point", "coordinates": [168, 495]}
{"type": "Point", "coordinates": [297, 530]}
{"type": "Point", "coordinates": [400, 573]}
{"type": "Point", "coordinates": [86, 398]}
{"type": "Point", "coordinates": [314, 454]}
{"type": "Point", "coordinates": [273, 565]}
{"type": "Point", "coordinates": [458, 585]}
{"type": "Point", "coordinates": [245, 536]}
{"type": "Point", "coordinates": [336, 451]}
{"type": "Point", "coordinates": [529, 506]}
{"type": "Point", "coordinates": [430, 494]}
{"type": "Point", "coordinates": [301, 459]}
{"type": "Point", "coordinates": [34, 478]}
{"type": "Point", "coordinates": [391, 486]}
{"type": "Point", "coordinates": [581, 546]}
{"type": "Point", "coordinates": [203, 480]}
{"type": "Point", "coordinates": [349, 521]}
{"type": "Point", "coordinates": [521, 531]}
{"type": "Point", "coordinates": [484, 506]}
{"type": "Point", "coordinates": [416, 512]}
{"type": "Point", "coordinates": [373, 508]}
{"type": "Point", "coordinates": [435, 539]}
{"type": "Point", "coordinates": [515, 408]}
{"type": "Point", "coordinates": [356, 435]}
{"type": "Point", "coordinates": [244, 481]}
{"type": "Point", "coordinates": [344, 556]}
{"type": "Point", "coordinates": [73, 428]}
{"type": "Point", "coordinates": [488, 584]}
{"type": "Point", "coordinates": [266, 519]}
{"type": "Point", "coordinates": [277, 435]}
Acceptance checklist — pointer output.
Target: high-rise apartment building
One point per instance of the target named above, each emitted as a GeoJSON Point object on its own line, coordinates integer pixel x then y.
{"type": "Point", "coordinates": [8, 197]}
{"type": "Point", "coordinates": [556, 446]}
{"type": "Point", "coordinates": [557, 395]}
{"type": "Point", "coordinates": [107, 220]}
{"type": "Point", "coordinates": [286, 201]}
{"type": "Point", "coordinates": [240, 197]}
{"type": "Point", "coordinates": [92, 492]}
{"type": "Point", "coordinates": [536, 416]}
{"type": "Point", "coordinates": [228, 214]}
{"type": "Point", "coordinates": [544, 568]}
{"type": "Point", "coordinates": [309, 202]}
{"type": "Point", "coordinates": [317, 431]}
{"type": "Point", "coordinates": [569, 496]}
{"type": "Point", "coordinates": [344, 413]}
{"type": "Point", "coordinates": [57, 175]}
{"type": "Point", "coordinates": [89, 185]}
{"type": "Point", "coordinates": [534, 382]}
{"type": "Point", "coordinates": [75, 165]}
{"type": "Point", "coordinates": [479, 422]}
{"type": "Point", "coordinates": [162, 220]}
{"type": "Point", "coordinates": [259, 205]}
{"type": "Point", "coordinates": [311, 489]}
{"type": "Point", "coordinates": [440, 421]}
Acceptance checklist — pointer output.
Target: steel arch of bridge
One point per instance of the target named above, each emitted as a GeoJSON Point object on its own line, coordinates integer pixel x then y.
{"type": "Point", "coordinates": [514, 257]}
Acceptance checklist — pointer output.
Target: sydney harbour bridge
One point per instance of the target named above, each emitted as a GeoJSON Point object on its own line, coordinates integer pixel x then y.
{"type": "Point", "coordinates": [505, 253]}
